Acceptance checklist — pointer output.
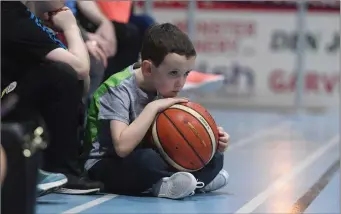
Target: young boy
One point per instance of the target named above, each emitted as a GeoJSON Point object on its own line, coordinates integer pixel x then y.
{"type": "Point", "coordinates": [124, 107]}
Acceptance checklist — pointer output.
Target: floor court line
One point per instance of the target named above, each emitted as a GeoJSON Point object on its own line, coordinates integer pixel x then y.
{"type": "Point", "coordinates": [279, 183]}
{"type": "Point", "coordinates": [90, 204]}
{"type": "Point", "coordinates": [258, 134]}
{"type": "Point", "coordinates": [313, 192]}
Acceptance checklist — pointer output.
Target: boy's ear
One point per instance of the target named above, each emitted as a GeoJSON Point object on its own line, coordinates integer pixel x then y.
{"type": "Point", "coordinates": [146, 67]}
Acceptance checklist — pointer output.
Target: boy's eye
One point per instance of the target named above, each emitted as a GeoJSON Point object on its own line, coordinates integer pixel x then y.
{"type": "Point", "coordinates": [173, 73]}
{"type": "Point", "coordinates": [187, 73]}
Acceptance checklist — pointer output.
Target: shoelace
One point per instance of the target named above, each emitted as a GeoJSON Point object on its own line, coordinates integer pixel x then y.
{"type": "Point", "coordinates": [200, 184]}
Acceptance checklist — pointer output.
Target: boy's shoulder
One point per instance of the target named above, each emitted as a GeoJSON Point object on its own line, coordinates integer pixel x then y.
{"type": "Point", "coordinates": [121, 82]}
{"type": "Point", "coordinates": [124, 78]}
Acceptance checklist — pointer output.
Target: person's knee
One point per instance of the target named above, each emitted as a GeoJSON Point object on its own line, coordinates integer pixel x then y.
{"type": "Point", "coordinates": [218, 161]}
{"type": "Point", "coordinates": [62, 76]}
{"type": "Point", "coordinates": [150, 160]}
{"type": "Point", "coordinates": [143, 21]}
{"type": "Point", "coordinates": [61, 71]}
{"type": "Point", "coordinates": [146, 20]}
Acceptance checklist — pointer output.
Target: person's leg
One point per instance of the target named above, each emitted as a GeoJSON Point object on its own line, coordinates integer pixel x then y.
{"type": "Point", "coordinates": [142, 170]}
{"type": "Point", "coordinates": [213, 175]}
{"type": "Point", "coordinates": [96, 75]}
{"type": "Point", "coordinates": [129, 44]}
{"type": "Point", "coordinates": [132, 174]}
{"type": "Point", "coordinates": [52, 91]}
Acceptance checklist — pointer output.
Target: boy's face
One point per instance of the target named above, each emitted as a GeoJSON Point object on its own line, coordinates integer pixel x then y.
{"type": "Point", "coordinates": [170, 77]}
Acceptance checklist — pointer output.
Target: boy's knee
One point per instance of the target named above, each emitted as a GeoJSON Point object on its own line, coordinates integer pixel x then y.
{"type": "Point", "coordinates": [218, 160]}
{"type": "Point", "coordinates": [150, 159]}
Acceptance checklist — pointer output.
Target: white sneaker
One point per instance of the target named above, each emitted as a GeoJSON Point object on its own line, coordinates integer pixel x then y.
{"type": "Point", "coordinates": [218, 182]}
{"type": "Point", "coordinates": [179, 185]}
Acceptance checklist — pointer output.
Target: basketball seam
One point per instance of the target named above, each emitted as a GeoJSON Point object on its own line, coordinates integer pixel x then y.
{"type": "Point", "coordinates": [208, 134]}
{"type": "Point", "coordinates": [183, 136]}
{"type": "Point", "coordinates": [158, 144]}
{"type": "Point", "coordinates": [215, 146]}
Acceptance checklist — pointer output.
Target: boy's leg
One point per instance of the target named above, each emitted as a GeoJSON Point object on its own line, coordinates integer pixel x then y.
{"type": "Point", "coordinates": [142, 170]}
{"type": "Point", "coordinates": [213, 175]}
{"type": "Point", "coordinates": [133, 174]}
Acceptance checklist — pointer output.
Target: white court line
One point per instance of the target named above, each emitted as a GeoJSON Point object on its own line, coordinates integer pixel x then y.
{"type": "Point", "coordinates": [90, 204]}
{"type": "Point", "coordinates": [258, 134]}
{"type": "Point", "coordinates": [279, 183]}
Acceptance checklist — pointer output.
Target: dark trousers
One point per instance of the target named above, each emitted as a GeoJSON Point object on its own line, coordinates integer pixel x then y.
{"type": "Point", "coordinates": [52, 92]}
{"type": "Point", "coordinates": [141, 169]}
{"type": "Point", "coordinates": [129, 43]}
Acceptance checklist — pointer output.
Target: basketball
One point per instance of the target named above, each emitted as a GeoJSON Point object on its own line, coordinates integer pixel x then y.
{"type": "Point", "coordinates": [186, 136]}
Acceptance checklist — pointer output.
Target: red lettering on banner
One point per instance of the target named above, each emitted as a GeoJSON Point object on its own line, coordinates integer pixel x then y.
{"type": "Point", "coordinates": [284, 82]}
{"type": "Point", "coordinates": [212, 46]}
{"type": "Point", "coordinates": [219, 36]}
{"type": "Point", "coordinates": [219, 27]}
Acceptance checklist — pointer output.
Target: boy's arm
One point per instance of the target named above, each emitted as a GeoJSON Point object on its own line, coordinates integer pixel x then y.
{"type": "Point", "coordinates": [114, 109]}
{"type": "Point", "coordinates": [126, 138]}
{"type": "Point", "coordinates": [114, 106]}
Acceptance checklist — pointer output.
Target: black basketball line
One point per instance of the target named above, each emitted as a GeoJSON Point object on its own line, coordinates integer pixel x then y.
{"type": "Point", "coordinates": [161, 140]}
{"type": "Point", "coordinates": [201, 124]}
{"type": "Point", "coordinates": [183, 136]}
{"type": "Point", "coordinates": [206, 121]}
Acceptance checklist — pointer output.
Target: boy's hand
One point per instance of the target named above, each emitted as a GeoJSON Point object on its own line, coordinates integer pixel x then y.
{"type": "Point", "coordinates": [162, 104]}
{"type": "Point", "coordinates": [223, 141]}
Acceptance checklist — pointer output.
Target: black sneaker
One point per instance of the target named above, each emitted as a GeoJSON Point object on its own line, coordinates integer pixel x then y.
{"type": "Point", "coordinates": [80, 185]}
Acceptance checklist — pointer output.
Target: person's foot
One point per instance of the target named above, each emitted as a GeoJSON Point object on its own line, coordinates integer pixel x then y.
{"type": "Point", "coordinates": [218, 182]}
{"type": "Point", "coordinates": [203, 82]}
{"type": "Point", "coordinates": [177, 186]}
{"type": "Point", "coordinates": [49, 182]}
{"type": "Point", "coordinates": [80, 185]}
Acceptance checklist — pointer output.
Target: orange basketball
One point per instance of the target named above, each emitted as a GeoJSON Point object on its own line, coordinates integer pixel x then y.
{"type": "Point", "coordinates": [186, 136]}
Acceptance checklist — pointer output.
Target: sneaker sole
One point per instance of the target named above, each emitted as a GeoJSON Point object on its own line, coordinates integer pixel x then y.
{"type": "Point", "coordinates": [51, 185]}
{"type": "Point", "coordinates": [77, 191]}
{"type": "Point", "coordinates": [46, 192]}
{"type": "Point", "coordinates": [188, 187]}
{"type": "Point", "coordinates": [207, 86]}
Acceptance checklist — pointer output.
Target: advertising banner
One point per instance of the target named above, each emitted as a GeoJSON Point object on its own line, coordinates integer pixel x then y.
{"type": "Point", "coordinates": [255, 49]}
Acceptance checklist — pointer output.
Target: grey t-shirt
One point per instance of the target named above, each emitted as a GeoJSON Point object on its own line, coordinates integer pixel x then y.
{"type": "Point", "coordinates": [118, 98]}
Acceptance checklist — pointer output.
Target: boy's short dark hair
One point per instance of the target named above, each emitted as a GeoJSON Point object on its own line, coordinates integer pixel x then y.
{"type": "Point", "coordinates": [162, 39]}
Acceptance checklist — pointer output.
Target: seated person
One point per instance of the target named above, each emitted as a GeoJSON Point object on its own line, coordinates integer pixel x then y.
{"type": "Point", "coordinates": [49, 81]}
{"type": "Point", "coordinates": [124, 107]}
